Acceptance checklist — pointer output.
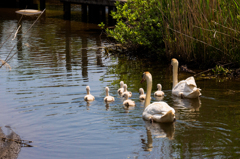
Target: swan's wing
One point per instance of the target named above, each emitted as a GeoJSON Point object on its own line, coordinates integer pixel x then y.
{"type": "Point", "coordinates": [182, 86]}
{"type": "Point", "coordinates": [187, 85]}
{"type": "Point", "coordinates": [120, 90]}
{"type": "Point", "coordinates": [191, 81]}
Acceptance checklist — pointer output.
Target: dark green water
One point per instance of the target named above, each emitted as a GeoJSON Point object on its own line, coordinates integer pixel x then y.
{"type": "Point", "coordinates": [41, 99]}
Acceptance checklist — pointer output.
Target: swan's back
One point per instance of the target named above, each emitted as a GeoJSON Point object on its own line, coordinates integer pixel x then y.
{"type": "Point", "coordinates": [109, 99]}
{"type": "Point", "coordinates": [158, 108]}
{"type": "Point", "coordinates": [187, 88]}
{"type": "Point", "coordinates": [129, 102]}
{"type": "Point", "coordinates": [159, 112]}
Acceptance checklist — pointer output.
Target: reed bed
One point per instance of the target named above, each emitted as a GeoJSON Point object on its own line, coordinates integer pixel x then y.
{"type": "Point", "coordinates": [201, 30]}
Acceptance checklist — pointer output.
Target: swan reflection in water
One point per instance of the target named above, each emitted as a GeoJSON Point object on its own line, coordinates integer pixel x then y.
{"type": "Point", "coordinates": [158, 130]}
{"type": "Point", "coordinates": [192, 104]}
{"type": "Point", "coordinates": [159, 98]}
{"type": "Point", "coordinates": [88, 104]}
{"type": "Point", "coordinates": [107, 104]}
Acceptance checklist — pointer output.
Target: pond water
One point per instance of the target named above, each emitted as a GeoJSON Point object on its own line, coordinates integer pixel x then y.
{"type": "Point", "coordinates": [41, 99]}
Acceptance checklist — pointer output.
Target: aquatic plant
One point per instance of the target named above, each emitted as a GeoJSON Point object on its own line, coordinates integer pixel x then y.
{"type": "Point", "coordinates": [219, 70]}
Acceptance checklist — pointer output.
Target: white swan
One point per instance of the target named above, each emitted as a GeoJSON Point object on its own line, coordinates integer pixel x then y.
{"type": "Point", "coordinates": [121, 89]}
{"type": "Point", "coordinates": [185, 88]}
{"type": "Point", "coordinates": [159, 92]}
{"type": "Point", "coordinates": [157, 111]}
{"type": "Point", "coordinates": [108, 98]}
{"type": "Point", "coordinates": [128, 102]}
{"type": "Point", "coordinates": [89, 97]}
{"type": "Point", "coordinates": [142, 96]}
{"type": "Point", "coordinates": [126, 91]}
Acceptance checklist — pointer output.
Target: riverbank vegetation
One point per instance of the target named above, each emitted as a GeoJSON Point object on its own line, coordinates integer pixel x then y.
{"type": "Point", "coordinates": [194, 31]}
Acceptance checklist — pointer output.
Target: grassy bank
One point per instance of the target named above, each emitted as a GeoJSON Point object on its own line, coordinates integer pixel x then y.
{"type": "Point", "coordinates": [205, 32]}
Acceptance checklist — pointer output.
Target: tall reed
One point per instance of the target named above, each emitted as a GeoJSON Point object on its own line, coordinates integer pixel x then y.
{"type": "Point", "coordinates": [202, 30]}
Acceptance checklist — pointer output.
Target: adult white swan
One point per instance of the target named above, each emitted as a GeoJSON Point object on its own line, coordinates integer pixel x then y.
{"type": "Point", "coordinates": [185, 88]}
{"type": "Point", "coordinates": [157, 111]}
{"type": "Point", "coordinates": [89, 97]}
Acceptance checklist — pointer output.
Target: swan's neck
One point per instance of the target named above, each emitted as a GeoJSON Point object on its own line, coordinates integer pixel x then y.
{"type": "Point", "coordinates": [148, 93]}
{"type": "Point", "coordinates": [88, 91]}
{"type": "Point", "coordinates": [175, 75]}
{"type": "Point", "coordinates": [121, 85]}
{"type": "Point", "coordinates": [149, 139]}
{"type": "Point", "coordinates": [107, 93]}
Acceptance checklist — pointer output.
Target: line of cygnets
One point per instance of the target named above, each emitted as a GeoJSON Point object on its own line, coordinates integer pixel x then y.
{"type": "Point", "coordinates": [157, 111]}
{"type": "Point", "coordinates": [123, 92]}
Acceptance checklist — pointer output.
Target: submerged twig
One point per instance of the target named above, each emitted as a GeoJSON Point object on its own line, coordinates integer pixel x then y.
{"type": "Point", "coordinates": [23, 143]}
{"type": "Point", "coordinates": [6, 64]}
{"type": "Point", "coordinates": [16, 32]}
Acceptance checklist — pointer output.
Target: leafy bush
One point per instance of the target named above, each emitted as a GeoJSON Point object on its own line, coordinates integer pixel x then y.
{"type": "Point", "coordinates": [139, 24]}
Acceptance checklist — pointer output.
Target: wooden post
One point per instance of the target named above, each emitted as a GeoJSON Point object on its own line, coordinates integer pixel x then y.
{"type": "Point", "coordinates": [84, 12]}
{"type": "Point", "coordinates": [68, 46]}
{"type": "Point", "coordinates": [93, 13]}
{"type": "Point", "coordinates": [102, 14]}
{"type": "Point", "coordinates": [42, 4]}
{"type": "Point", "coordinates": [67, 10]}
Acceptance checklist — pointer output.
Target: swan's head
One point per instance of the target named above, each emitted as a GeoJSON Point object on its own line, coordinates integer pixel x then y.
{"type": "Point", "coordinates": [106, 89]}
{"type": "Point", "coordinates": [87, 88]}
{"type": "Point", "coordinates": [141, 91]}
{"type": "Point", "coordinates": [174, 62]}
{"type": "Point", "coordinates": [121, 84]}
{"type": "Point", "coordinates": [146, 76]}
{"type": "Point", "coordinates": [159, 87]}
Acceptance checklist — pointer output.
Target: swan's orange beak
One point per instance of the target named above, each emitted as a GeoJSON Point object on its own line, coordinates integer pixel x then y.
{"type": "Point", "coordinates": [142, 80]}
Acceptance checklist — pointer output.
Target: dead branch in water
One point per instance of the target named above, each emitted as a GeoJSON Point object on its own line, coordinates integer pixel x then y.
{"type": "Point", "coordinates": [10, 57]}
{"type": "Point", "coordinates": [6, 64]}
{"type": "Point", "coordinates": [210, 69]}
